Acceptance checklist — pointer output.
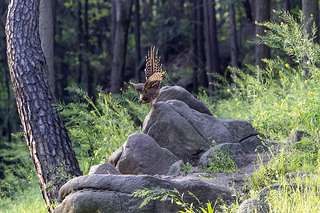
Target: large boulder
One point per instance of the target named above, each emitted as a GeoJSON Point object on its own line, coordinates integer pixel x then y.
{"type": "Point", "coordinates": [113, 193]}
{"type": "Point", "coordinates": [140, 154]}
{"type": "Point", "coordinates": [188, 133]}
{"type": "Point", "coordinates": [181, 94]}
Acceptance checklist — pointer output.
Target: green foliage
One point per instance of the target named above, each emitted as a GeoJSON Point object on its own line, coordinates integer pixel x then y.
{"type": "Point", "coordinates": [281, 97]}
{"type": "Point", "coordinates": [18, 167]}
{"type": "Point", "coordinates": [175, 197]}
{"type": "Point", "coordinates": [28, 200]}
{"type": "Point", "coordinates": [98, 129]}
{"type": "Point", "coordinates": [186, 167]}
{"type": "Point", "coordinates": [221, 162]}
{"type": "Point", "coordinates": [276, 100]}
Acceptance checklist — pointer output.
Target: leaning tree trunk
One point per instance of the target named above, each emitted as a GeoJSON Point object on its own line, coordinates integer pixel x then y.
{"type": "Point", "coordinates": [48, 142]}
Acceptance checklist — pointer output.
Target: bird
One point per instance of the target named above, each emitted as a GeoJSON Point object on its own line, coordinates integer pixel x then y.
{"type": "Point", "coordinates": [149, 90]}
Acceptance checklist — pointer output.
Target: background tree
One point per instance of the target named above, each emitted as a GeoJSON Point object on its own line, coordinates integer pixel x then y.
{"type": "Point", "coordinates": [211, 39]}
{"type": "Point", "coordinates": [137, 37]}
{"type": "Point", "coordinates": [262, 13]}
{"type": "Point", "coordinates": [310, 9]}
{"type": "Point", "coordinates": [46, 36]}
{"type": "Point", "coordinates": [122, 19]}
{"type": "Point", "coordinates": [233, 36]}
{"type": "Point", "coordinates": [48, 142]}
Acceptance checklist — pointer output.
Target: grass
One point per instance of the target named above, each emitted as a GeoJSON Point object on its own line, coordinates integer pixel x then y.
{"type": "Point", "coordinates": [25, 201]}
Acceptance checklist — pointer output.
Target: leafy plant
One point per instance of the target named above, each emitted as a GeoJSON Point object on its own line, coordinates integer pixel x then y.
{"type": "Point", "coordinates": [175, 197]}
{"type": "Point", "coordinates": [221, 162]}
{"type": "Point", "coordinates": [98, 129]}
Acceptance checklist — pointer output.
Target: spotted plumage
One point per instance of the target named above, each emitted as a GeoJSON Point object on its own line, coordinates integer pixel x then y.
{"type": "Point", "coordinates": [153, 72]}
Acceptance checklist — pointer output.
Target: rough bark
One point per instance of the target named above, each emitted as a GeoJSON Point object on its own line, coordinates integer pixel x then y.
{"type": "Point", "coordinates": [123, 16]}
{"type": "Point", "coordinates": [262, 13]}
{"type": "Point", "coordinates": [310, 9]}
{"type": "Point", "coordinates": [48, 142]}
{"type": "Point", "coordinates": [233, 37]}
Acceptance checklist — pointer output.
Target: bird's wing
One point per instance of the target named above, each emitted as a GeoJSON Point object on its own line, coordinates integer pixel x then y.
{"type": "Point", "coordinates": [153, 64]}
{"type": "Point", "coordinates": [153, 81]}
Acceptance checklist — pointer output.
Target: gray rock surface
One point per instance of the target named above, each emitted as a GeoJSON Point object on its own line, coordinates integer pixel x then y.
{"type": "Point", "coordinates": [104, 168]}
{"type": "Point", "coordinates": [140, 154]}
{"type": "Point", "coordinates": [112, 193]}
{"type": "Point", "coordinates": [179, 93]}
{"type": "Point", "coordinates": [187, 133]}
{"type": "Point", "coordinates": [254, 206]}
{"type": "Point", "coordinates": [233, 149]}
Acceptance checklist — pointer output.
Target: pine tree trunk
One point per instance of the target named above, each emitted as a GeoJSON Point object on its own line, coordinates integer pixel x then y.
{"type": "Point", "coordinates": [48, 142]}
{"type": "Point", "coordinates": [262, 14]}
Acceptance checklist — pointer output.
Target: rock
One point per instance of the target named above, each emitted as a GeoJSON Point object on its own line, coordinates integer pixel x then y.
{"type": "Point", "coordinates": [233, 149]}
{"type": "Point", "coordinates": [253, 206]}
{"type": "Point", "coordinates": [179, 93]}
{"type": "Point", "coordinates": [168, 124]}
{"type": "Point", "coordinates": [297, 135]}
{"type": "Point", "coordinates": [175, 168]}
{"type": "Point", "coordinates": [187, 133]}
{"type": "Point", "coordinates": [294, 175]}
{"type": "Point", "coordinates": [112, 193]}
{"type": "Point", "coordinates": [115, 156]}
{"type": "Point", "coordinates": [104, 168]}
{"type": "Point", "coordinates": [265, 192]}
{"type": "Point", "coordinates": [142, 155]}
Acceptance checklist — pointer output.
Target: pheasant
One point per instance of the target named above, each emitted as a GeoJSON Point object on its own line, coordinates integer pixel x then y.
{"type": "Point", "coordinates": [153, 72]}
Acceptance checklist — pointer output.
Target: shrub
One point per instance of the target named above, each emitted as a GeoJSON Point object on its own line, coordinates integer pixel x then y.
{"type": "Point", "coordinates": [98, 129]}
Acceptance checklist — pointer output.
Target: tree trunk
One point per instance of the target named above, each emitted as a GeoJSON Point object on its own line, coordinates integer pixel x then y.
{"type": "Point", "coordinates": [89, 70]}
{"type": "Point", "coordinates": [262, 14]}
{"type": "Point", "coordinates": [137, 75]}
{"type": "Point", "coordinates": [233, 37]}
{"type": "Point", "coordinates": [310, 9]}
{"type": "Point", "coordinates": [48, 142]}
{"type": "Point", "coordinates": [47, 39]}
{"type": "Point", "coordinates": [286, 5]}
{"type": "Point", "coordinates": [195, 47]}
{"type": "Point", "coordinates": [123, 15]}
{"type": "Point", "coordinates": [203, 78]}
{"type": "Point", "coordinates": [212, 50]}
{"type": "Point", "coordinates": [247, 7]}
